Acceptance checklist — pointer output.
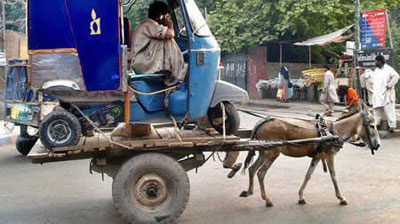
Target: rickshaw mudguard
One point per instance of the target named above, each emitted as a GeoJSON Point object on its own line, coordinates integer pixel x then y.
{"type": "Point", "coordinates": [225, 91]}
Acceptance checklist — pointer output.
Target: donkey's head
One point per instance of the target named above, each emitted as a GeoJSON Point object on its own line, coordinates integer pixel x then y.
{"type": "Point", "coordinates": [368, 131]}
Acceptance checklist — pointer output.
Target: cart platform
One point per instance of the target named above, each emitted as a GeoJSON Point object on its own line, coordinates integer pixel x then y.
{"type": "Point", "coordinates": [160, 140]}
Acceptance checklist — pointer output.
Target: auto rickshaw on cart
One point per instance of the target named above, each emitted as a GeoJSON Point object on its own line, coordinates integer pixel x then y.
{"type": "Point", "coordinates": [78, 59]}
{"type": "Point", "coordinates": [77, 80]}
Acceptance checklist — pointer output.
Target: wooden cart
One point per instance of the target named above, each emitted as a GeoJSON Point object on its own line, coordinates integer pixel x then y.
{"type": "Point", "coordinates": [150, 183]}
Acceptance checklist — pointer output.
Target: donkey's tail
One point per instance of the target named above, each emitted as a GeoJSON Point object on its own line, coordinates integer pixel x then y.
{"type": "Point", "coordinates": [248, 161]}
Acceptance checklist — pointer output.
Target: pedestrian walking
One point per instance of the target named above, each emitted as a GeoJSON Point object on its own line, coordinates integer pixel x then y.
{"type": "Point", "coordinates": [384, 96]}
{"type": "Point", "coordinates": [329, 96]}
{"type": "Point", "coordinates": [284, 84]}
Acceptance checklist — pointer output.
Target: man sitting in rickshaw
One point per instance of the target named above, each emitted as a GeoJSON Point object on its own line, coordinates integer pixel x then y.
{"type": "Point", "coordinates": [154, 49]}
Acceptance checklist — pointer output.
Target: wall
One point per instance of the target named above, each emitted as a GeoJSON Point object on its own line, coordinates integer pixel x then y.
{"type": "Point", "coordinates": [257, 67]}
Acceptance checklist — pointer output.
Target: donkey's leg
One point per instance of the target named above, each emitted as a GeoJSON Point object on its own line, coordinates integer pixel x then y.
{"type": "Point", "coordinates": [331, 167]}
{"type": "Point", "coordinates": [252, 171]}
{"type": "Point", "coordinates": [311, 168]}
{"type": "Point", "coordinates": [270, 158]}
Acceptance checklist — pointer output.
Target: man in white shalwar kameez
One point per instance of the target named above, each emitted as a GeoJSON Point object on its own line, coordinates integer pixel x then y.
{"type": "Point", "coordinates": [384, 95]}
{"type": "Point", "coordinates": [329, 96]}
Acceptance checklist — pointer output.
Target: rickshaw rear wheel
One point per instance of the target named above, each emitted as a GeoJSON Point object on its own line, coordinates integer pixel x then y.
{"type": "Point", "coordinates": [25, 142]}
{"type": "Point", "coordinates": [232, 121]}
{"type": "Point", "coordinates": [60, 128]}
{"type": "Point", "coordinates": [151, 188]}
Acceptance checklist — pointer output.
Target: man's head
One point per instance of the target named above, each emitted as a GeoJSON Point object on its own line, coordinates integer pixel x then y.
{"type": "Point", "coordinates": [379, 61]}
{"type": "Point", "coordinates": [342, 91]}
{"type": "Point", "coordinates": [327, 67]}
{"type": "Point", "coordinates": [157, 10]}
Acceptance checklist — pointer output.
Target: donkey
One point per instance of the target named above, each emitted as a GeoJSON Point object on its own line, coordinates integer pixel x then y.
{"type": "Point", "coordinates": [358, 123]}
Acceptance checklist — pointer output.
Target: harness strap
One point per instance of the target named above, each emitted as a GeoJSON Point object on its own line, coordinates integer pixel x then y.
{"type": "Point", "coordinates": [323, 131]}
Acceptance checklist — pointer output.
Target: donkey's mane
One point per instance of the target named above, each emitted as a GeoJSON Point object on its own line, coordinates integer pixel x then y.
{"type": "Point", "coordinates": [348, 114]}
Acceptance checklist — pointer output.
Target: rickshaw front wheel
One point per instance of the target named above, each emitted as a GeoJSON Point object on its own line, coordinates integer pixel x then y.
{"type": "Point", "coordinates": [60, 128]}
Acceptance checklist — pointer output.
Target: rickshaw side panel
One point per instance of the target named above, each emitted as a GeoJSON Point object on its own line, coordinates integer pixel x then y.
{"type": "Point", "coordinates": [85, 29]}
{"type": "Point", "coordinates": [95, 25]}
{"type": "Point", "coordinates": [48, 26]}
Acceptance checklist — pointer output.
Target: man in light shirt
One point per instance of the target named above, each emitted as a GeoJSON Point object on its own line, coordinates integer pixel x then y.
{"type": "Point", "coordinates": [384, 95]}
{"type": "Point", "coordinates": [154, 47]}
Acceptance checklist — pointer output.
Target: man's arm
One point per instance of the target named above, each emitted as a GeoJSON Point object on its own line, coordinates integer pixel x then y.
{"type": "Point", "coordinates": [350, 103]}
{"type": "Point", "coordinates": [170, 32]}
{"type": "Point", "coordinates": [394, 78]}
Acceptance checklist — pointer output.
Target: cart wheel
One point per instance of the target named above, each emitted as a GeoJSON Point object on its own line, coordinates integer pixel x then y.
{"type": "Point", "coordinates": [59, 128]}
{"type": "Point", "coordinates": [151, 188]}
{"type": "Point", "coordinates": [25, 142]}
{"type": "Point", "coordinates": [232, 121]}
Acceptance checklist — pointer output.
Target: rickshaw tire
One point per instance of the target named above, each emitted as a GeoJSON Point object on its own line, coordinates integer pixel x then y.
{"type": "Point", "coordinates": [60, 113]}
{"type": "Point", "coordinates": [139, 166]}
{"type": "Point", "coordinates": [24, 144]}
{"type": "Point", "coordinates": [233, 118]}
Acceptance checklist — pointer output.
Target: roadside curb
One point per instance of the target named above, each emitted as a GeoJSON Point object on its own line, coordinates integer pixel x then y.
{"type": "Point", "coordinates": [260, 104]}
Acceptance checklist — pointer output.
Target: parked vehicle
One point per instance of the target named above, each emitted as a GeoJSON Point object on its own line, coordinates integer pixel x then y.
{"type": "Point", "coordinates": [78, 61]}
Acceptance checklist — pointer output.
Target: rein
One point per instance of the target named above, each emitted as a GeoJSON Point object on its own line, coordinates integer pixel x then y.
{"type": "Point", "coordinates": [366, 124]}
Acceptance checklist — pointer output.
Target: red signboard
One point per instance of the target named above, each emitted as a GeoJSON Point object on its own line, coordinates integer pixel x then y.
{"type": "Point", "coordinates": [373, 29]}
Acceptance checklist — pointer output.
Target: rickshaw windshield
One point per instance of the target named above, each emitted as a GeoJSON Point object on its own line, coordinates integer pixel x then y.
{"type": "Point", "coordinates": [197, 20]}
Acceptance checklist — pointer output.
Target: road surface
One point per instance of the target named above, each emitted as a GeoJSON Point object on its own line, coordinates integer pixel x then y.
{"type": "Point", "coordinates": [65, 192]}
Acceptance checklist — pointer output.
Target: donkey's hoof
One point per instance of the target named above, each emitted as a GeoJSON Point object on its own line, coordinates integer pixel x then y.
{"type": "Point", "coordinates": [269, 204]}
{"type": "Point", "coordinates": [344, 202]}
{"type": "Point", "coordinates": [245, 194]}
{"type": "Point", "coordinates": [302, 202]}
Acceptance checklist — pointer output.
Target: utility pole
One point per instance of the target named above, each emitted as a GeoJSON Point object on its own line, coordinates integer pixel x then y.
{"type": "Point", "coordinates": [357, 47]}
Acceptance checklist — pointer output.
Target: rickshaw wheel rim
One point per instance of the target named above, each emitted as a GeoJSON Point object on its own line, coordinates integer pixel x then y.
{"type": "Point", "coordinates": [59, 131]}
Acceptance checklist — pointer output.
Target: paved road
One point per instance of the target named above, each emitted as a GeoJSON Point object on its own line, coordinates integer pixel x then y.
{"type": "Point", "coordinates": [65, 192]}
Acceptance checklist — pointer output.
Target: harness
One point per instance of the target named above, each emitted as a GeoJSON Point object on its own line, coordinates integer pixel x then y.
{"type": "Point", "coordinates": [324, 131]}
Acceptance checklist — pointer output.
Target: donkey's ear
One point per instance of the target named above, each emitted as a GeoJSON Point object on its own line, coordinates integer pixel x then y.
{"type": "Point", "coordinates": [361, 105]}
{"type": "Point", "coordinates": [364, 105]}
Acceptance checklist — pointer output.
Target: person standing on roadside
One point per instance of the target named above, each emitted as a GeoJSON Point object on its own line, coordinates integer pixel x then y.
{"type": "Point", "coordinates": [329, 96]}
{"type": "Point", "coordinates": [384, 95]}
{"type": "Point", "coordinates": [367, 83]}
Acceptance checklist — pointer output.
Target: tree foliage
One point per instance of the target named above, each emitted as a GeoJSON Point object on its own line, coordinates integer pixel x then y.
{"type": "Point", "coordinates": [242, 23]}
{"type": "Point", "coordinates": [15, 12]}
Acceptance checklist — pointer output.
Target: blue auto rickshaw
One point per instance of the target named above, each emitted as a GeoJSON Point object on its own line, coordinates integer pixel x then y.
{"type": "Point", "coordinates": [78, 59]}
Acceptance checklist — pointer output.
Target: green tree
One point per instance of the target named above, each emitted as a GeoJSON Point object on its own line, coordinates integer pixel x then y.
{"type": "Point", "coordinates": [239, 24]}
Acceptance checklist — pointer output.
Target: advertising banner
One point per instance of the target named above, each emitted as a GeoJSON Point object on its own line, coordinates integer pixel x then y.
{"type": "Point", "coordinates": [373, 29]}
